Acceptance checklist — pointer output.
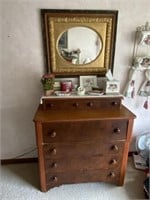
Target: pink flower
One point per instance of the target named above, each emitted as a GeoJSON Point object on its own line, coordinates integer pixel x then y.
{"type": "Point", "coordinates": [46, 76]}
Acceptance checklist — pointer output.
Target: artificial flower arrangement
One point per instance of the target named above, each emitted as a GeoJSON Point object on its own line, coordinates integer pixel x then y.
{"type": "Point", "coordinates": [47, 81]}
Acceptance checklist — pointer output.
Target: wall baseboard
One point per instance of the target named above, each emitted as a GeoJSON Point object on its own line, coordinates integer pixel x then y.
{"type": "Point", "coordinates": [33, 160]}
{"type": "Point", "coordinates": [18, 161]}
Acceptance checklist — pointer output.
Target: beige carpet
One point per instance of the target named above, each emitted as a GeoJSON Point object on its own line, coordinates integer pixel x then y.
{"type": "Point", "coordinates": [21, 182]}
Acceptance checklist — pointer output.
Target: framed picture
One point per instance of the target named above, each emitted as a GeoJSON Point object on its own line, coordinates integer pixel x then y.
{"type": "Point", "coordinates": [88, 82]}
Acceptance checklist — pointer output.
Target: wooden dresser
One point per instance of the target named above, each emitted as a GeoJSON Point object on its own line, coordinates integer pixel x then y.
{"type": "Point", "coordinates": [82, 140]}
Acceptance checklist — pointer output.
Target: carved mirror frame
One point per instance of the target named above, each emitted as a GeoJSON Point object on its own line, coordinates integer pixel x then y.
{"type": "Point", "coordinates": [55, 22]}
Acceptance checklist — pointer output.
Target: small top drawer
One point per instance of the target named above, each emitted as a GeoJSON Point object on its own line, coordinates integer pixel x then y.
{"type": "Point", "coordinates": [80, 103]}
{"type": "Point", "coordinates": [84, 130]}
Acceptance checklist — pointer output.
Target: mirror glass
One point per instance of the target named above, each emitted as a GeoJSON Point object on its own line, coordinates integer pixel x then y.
{"type": "Point", "coordinates": [79, 45]}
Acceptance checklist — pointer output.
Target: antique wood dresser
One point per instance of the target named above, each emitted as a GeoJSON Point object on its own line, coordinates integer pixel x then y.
{"type": "Point", "coordinates": [82, 140]}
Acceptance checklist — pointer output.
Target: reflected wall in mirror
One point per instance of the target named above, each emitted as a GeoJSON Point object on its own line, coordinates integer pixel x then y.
{"type": "Point", "coordinates": [79, 42]}
{"type": "Point", "coordinates": [74, 48]}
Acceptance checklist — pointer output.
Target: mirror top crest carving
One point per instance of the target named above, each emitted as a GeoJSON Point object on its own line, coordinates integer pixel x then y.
{"type": "Point", "coordinates": [58, 22]}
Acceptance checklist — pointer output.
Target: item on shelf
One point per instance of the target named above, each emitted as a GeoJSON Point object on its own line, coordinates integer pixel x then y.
{"type": "Point", "coordinates": [66, 86]}
{"type": "Point", "coordinates": [112, 85]}
{"type": "Point", "coordinates": [57, 86]}
{"type": "Point", "coordinates": [142, 63]}
{"type": "Point", "coordinates": [95, 93]}
{"type": "Point", "coordinates": [130, 87]}
{"type": "Point", "coordinates": [88, 82]}
{"type": "Point", "coordinates": [145, 88]}
{"type": "Point", "coordinates": [143, 34]}
{"type": "Point", "coordinates": [62, 93]}
{"type": "Point", "coordinates": [81, 91]}
{"type": "Point", "coordinates": [47, 81]}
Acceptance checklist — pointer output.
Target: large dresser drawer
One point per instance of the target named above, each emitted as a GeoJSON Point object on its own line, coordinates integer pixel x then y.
{"type": "Point", "coordinates": [84, 130]}
{"type": "Point", "coordinates": [83, 163]}
{"type": "Point", "coordinates": [57, 150]}
{"type": "Point", "coordinates": [55, 179]}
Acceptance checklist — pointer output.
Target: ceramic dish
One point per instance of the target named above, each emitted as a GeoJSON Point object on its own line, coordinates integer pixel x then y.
{"type": "Point", "coordinates": [62, 93]}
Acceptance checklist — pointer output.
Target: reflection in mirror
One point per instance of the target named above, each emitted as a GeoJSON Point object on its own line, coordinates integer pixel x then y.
{"type": "Point", "coordinates": [79, 45]}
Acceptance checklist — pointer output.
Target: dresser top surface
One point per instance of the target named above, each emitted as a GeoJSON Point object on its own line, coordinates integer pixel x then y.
{"type": "Point", "coordinates": [79, 115]}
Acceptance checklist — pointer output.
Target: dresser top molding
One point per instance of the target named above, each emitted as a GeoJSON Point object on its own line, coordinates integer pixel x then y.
{"type": "Point", "coordinates": [82, 97]}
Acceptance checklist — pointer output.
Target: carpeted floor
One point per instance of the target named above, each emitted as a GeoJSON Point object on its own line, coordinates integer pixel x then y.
{"type": "Point", "coordinates": [21, 182]}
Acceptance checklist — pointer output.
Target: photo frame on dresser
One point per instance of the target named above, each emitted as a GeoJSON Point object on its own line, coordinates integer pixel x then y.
{"type": "Point", "coordinates": [88, 82]}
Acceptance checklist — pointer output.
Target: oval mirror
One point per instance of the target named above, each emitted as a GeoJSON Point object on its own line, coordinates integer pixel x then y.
{"type": "Point", "coordinates": [79, 45]}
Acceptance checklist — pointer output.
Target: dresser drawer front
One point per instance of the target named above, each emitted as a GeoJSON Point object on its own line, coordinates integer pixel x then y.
{"type": "Point", "coordinates": [83, 163]}
{"type": "Point", "coordinates": [55, 179]}
{"type": "Point", "coordinates": [78, 104]}
{"type": "Point", "coordinates": [57, 150]}
{"type": "Point", "coordinates": [86, 130]}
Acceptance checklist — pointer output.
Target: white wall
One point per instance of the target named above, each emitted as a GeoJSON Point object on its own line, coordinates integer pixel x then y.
{"type": "Point", "coordinates": [23, 64]}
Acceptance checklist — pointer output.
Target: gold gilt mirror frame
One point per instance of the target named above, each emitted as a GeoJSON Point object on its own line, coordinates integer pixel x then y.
{"type": "Point", "coordinates": [57, 22]}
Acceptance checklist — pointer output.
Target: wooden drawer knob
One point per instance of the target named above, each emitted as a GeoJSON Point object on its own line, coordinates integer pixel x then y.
{"type": "Point", "coordinates": [76, 104]}
{"type": "Point", "coordinates": [117, 130]}
{"type": "Point", "coordinates": [114, 103]}
{"type": "Point", "coordinates": [112, 174]}
{"type": "Point", "coordinates": [54, 165]}
{"type": "Point", "coordinates": [55, 179]}
{"type": "Point", "coordinates": [90, 104]}
{"type": "Point", "coordinates": [50, 105]}
{"type": "Point", "coordinates": [53, 134]}
{"type": "Point", "coordinates": [54, 151]}
{"type": "Point", "coordinates": [113, 162]}
{"type": "Point", "coordinates": [115, 147]}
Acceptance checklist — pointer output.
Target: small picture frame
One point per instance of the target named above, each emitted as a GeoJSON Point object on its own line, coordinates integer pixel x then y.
{"type": "Point", "coordinates": [88, 82]}
{"type": "Point", "coordinates": [112, 87]}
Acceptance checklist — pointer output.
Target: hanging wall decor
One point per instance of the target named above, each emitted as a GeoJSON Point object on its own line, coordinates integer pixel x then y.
{"type": "Point", "coordinates": [140, 63]}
